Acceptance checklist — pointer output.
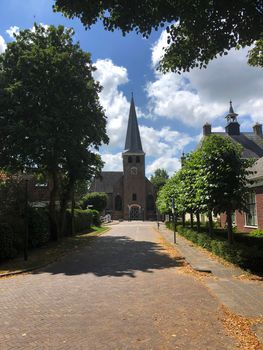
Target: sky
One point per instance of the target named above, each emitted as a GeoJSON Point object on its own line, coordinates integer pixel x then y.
{"type": "Point", "coordinates": [171, 108]}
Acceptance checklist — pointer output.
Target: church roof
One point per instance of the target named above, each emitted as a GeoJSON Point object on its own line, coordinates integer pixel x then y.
{"type": "Point", "coordinates": [133, 139]}
{"type": "Point", "coordinates": [106, 181]}
{"type": "Point", "coordinates": [252, 143]}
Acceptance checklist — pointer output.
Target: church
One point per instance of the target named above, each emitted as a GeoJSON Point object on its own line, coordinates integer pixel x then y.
{"type": "Point", "coordinates": [131, 196]}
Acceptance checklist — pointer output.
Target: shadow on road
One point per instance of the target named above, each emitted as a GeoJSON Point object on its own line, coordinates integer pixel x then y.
{"type": "Point", "coordinates": [115, 256]}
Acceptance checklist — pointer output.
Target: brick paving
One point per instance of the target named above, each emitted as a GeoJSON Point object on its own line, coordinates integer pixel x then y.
{"type": "Point", "coordinates": [121, 292]}
{"type": "Point", "coordinates": [244, 297]}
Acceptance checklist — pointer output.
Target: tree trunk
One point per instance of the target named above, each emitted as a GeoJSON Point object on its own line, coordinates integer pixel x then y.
{"type": "Point", "coordinates": [198, 221]}
{"type": "Point", "coordinates": [229, 226]}
{"type": "Point", "coordinates": [72, 210]}
{"type": "Point", "coordinates": [183, 219]}
{"type": "Point", "coordinates": [52, 207]}
{"type": "Point", "coordinates": [210, 223]}
{"type": "Point", "coordinates": [191, 220]}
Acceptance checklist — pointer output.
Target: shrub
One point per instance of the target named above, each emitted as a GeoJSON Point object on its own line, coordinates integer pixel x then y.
{"type": "Point", "coordinates": [95, 217]}
{"type": "Point", "coordinates": [257, 233]}
{"type": "Point", "coordinates": [7, 239]}
{"type": "Point", "coordinates": [98, 200]}
{"type": "Point", "coordinates": [38, 227]}
{"type": "Point", "coordinates": [82, 220]}
{"type": "Point", "coordinates": [248, 257]}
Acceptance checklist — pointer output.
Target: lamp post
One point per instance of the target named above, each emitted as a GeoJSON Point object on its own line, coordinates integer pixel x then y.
{"type": "Point", "coordinates": [173, 211]}
{"type": "Point", "coordinates": [26, 221]}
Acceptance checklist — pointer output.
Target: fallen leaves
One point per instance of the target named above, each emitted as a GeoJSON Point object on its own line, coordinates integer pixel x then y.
{"type": "Point", "coordinates": [240, 328]}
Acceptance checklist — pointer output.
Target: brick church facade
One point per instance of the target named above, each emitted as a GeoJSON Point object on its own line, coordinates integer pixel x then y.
{"type": "Point", "coordinates": [131, 196]}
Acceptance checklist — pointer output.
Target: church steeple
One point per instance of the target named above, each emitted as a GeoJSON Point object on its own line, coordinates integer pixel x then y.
{"type": "Point", "coordinates": [133, 139]}
{"type": "Point", "coordinates": [232, 127]}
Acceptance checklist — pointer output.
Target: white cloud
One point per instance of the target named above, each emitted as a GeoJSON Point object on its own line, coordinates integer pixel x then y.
{"type": "Point", "coordinates": [158, 48]}
{"type": "Point", "coordinates": [113, 162]}
{"type": "Point", "coordinates": [2, 44]}
{"type": "Point", "coordinates": [202, 95]}
{"type": "Point", "coordinates": [163, 142]}
{"type": "Point", "coordinates": [170, 164]}
{"type": "Point", "coordinates": [12, 30]}
{"type": "Point", "coordinates": [112, 99]}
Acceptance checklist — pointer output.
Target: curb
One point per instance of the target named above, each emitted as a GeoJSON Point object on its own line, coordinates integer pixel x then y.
{"type": "Point", "coordinates": [19, 272]}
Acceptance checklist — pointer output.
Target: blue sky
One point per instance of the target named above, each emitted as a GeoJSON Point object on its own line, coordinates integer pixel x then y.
{"type": "Point", "coordinates": [171, 108]}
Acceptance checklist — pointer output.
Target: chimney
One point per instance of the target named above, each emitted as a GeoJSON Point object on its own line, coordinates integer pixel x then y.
{"type": "Point", "coordinates": [207, 129]}
{"type": "Point", "coordinates": [257, 128]}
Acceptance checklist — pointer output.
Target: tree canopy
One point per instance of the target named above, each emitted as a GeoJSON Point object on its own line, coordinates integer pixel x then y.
{"type": "Point", "coordinates": [97, 201]}
{"type": "Point", "coordinates": [51, 120]}
{"type": "Point", "coordinates": [214, 178]}
{"type": "Point", "coordinates": [159, 178]}
{"type": "Point", "coordinates": [255, 56]}
{"type": "Point", "coordinates": [198, 30]}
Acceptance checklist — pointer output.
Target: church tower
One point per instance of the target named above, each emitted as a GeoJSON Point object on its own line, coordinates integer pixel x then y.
{"type": "Point", "coordinates": [134, 186]}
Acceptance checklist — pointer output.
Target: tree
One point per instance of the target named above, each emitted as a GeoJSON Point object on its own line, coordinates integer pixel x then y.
{"type": "Point", "coordinates": [255, 55]}
{"type": "Point", "coordinates": [222, 182]}
{"type": "Point", "coordinates": [198, 30]}
{"type": "Point", "coordinates": [50, 116]}
{"type": "Point", "coordinates": [159, 178]}
{"type": "Point", "coordinates": [98, 201]}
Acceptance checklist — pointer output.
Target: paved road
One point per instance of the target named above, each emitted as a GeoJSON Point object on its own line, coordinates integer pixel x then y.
{"type": "Point", "coordinates": [121, 292]}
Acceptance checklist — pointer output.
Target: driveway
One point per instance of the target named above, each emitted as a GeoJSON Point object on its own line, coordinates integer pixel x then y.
{"type": "Point", "coordinates": [124, 291]}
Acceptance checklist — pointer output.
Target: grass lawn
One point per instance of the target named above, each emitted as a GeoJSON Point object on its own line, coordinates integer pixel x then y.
{"type": "Point", "coordinates": [51, 252]}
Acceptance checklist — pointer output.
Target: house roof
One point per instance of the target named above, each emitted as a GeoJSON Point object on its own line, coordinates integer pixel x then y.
{"type": "Point", "coordinates": [133, 139]}
{"type": "Point", "coordinates": [106, 181]}
{"type": "Point", "coordinates": [251, 142]}
{"type": "Point", "coordinates": [257, 168]}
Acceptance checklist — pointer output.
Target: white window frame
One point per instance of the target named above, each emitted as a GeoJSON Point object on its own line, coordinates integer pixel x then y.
{"type": "Point", "coordinates": [256, 214]}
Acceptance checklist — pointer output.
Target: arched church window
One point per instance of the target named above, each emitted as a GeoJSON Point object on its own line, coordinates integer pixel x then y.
{"type": "Point", "coordinates": [150, 202]}
{"type": "Point", "coordinates": [137, 159]}
{"type": "Point", "coordinates": [118, 202]}
{"type": "Point", "coordinates": [134, 196]}
{"type": "Point", "coordinates": [130, 159]}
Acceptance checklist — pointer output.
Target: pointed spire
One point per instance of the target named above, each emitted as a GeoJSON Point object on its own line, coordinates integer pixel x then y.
{"type": "Point", "coordinates": [231, 116]}
{"type": "Point", "coordinates": [231, 110]}
{"type": "Point", "coordinates": [232, 127]}
{"type": "Point", "coordinates": [133, 139]}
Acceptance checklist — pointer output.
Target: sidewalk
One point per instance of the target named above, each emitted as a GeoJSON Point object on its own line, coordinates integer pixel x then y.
{"type": "Point", "coordinates": [243, 297]}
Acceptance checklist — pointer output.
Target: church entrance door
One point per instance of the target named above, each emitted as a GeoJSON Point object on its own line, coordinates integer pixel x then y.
{"type": "Point", "coordinates": [135, 212]}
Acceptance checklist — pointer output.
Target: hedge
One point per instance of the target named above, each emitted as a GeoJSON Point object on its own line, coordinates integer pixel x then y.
{"type": "Point", "coordinates": [247, 257]}
{"type": "Point", "coordinates": [83, 220]}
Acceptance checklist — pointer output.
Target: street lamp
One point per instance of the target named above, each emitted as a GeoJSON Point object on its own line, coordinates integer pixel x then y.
{"type": "Point", "coordinates": [173, 211]}
{"type": "Point", "coordinates": [26, 177]}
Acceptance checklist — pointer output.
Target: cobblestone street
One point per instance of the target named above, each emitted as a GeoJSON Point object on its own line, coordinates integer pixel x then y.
{"type": "Point", "coordinates": [121, 292]}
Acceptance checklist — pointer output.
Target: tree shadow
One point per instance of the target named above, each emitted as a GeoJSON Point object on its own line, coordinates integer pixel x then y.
{"type": "Point", "coordinates": [114, 256]}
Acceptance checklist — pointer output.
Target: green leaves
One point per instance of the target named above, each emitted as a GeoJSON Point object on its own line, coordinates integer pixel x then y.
{"type": "Point", "coordinates": [198, 31]}
{"type": "Point", "coordinates": [50, 116]}
{"type": "Point", "coordinates": [213, 178]}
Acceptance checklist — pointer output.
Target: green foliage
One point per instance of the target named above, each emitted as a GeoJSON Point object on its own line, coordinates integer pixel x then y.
{"type": "Point", "coordinates": [255, 55]}
{"type": "Point", "coordinates": [198, 31]}
{"type": "Point", "coordinates": [159, 178]}
{"type": "Point", "coordinates": [246, 256]}
{"type": "Point", "coordinates": [38, 227]}
{"type": "Point", "coordinates": [257, 233]}
{"type": "Point", "coordinates": [83, 220]}
{"type": "Point", "coordinates": [98, 200]}
{"type": "Point", "coordinates": [95, 217]}
{"type": "Point", "coordinates": [51, 126]}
